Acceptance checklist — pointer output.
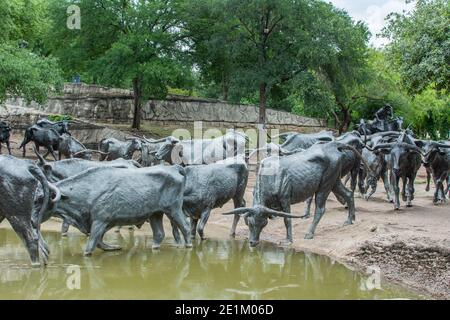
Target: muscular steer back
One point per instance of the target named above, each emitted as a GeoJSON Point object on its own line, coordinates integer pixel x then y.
{"type": "Point", "coordinates": [283, 181]}
{"type": "Point", "coordinates": [98, 199]}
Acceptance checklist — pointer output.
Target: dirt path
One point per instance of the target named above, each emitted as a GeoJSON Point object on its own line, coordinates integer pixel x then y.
{"type": "Point", "coordinates": [411, 246]}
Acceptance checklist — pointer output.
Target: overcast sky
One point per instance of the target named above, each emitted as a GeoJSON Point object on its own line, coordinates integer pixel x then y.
{"type": "Point", "coordinates": [373, 13]}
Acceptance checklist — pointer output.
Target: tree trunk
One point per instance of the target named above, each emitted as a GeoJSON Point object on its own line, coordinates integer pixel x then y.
{"type": "Point", "coordinates": [137, 105]}
{"type": "Point", "coordinates": [262, 104]}
{"type": "Point", "coordinates": [342, 125]}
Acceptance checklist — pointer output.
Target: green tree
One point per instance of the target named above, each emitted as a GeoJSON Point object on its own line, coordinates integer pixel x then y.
{"type": "Point", "coordinates": [267, 49]}
{"type": "Point", "coordinates": [125, 43]}
{"type": "Point", "coordinates": [24, 71]}
{"type": "Point", "coordinates": [420, 45]}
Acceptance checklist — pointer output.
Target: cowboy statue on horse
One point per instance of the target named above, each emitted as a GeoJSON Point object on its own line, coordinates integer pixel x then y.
{"type": "Point", "coordinates": [383, 121]}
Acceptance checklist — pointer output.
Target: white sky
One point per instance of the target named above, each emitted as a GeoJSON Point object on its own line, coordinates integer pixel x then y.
{"type": "Point", "coordinates": [372, 12]}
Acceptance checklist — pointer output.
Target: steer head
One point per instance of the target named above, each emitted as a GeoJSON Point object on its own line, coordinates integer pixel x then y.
{"type": "Point", "coordinates": [256, 219]}
{"type": "Point", "coordinates": [166, 150]}
{"type": "Point", "coordinates": [399, 152]}
{"type": "Point", "coordinates": [432, 150]}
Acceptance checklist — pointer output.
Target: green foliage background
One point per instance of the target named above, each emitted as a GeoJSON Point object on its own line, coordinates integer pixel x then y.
{"type": "Point", "coordinates": [312, 58]}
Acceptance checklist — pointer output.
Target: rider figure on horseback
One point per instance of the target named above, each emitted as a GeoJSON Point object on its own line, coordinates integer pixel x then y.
{"type": "Point", "coordinates": [382, 116]}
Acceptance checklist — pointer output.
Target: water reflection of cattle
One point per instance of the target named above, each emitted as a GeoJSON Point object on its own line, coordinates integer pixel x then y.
{"type": "Point", "coordinates": [288, 180]}
{"type": "Point", "coordinates": [24, 193]}
{"type": "Point", "coordinates": [98, 199]}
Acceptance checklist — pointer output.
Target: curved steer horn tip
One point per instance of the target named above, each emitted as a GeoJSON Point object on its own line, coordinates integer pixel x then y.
{"type": "Point", "coordinates": [240, 211]}
{"type": "Point", "coordinates": [278, 213]}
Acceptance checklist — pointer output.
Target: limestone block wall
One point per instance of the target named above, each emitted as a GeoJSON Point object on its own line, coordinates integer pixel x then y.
{"type": "Point", "coordinates": [110, 105]}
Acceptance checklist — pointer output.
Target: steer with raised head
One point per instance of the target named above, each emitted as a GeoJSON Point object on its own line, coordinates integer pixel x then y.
{"type": "Point", "coordinates": [403, 162]}
{"type": "Point", "coordinates": [5, 133]}
{"type": "Point", "coordinates": [24, 196]}
{"type": "Point", "coordinates": [437, 161]}
{"type": "Point", "coordinates": [99, 199]}
{"type": "Point", "coordinates": [116, 149]}
{"type": "Point", "coordinates": [283, 181]}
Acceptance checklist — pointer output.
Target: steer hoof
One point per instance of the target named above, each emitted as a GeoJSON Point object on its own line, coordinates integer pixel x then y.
{"type": "Point", "coordinates": [156, 246]}
{"type": "Point", "coordinates": [232, 235]}
{"type": "Point", "coordinates": [35, 264]}
{"type": "Point", "coordinates": [309, 236]}
{"type": "Point", "coordinates": [64, 234]}
{"type": "Point", "coordinates": [306, 216]}
{"type": "Point", "coordinates": [188, 245]}
{"type": "Point", "coordinates": [348, 223]}
{"type": "Point", "coordinates": [87, 254]}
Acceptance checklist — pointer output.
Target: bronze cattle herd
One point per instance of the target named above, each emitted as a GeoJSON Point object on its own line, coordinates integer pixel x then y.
{"type": "Point", "coordinates": [185, 180]}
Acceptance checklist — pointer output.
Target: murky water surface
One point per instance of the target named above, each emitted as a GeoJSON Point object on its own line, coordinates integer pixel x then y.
{"type": "Point", "coordinates": [213, 269]}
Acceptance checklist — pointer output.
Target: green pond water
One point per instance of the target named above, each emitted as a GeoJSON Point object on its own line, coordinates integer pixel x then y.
{"type": "Point", "coordinates": [213, 269]}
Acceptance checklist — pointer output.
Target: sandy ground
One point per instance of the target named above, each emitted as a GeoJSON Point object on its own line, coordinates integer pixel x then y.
{"type": "Point", "coordinates": [411, 246]}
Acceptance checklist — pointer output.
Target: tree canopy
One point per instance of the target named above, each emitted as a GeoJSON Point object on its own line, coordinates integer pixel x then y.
{"type": "Point", "coordinates": [23, 70]}
{"type": "Point", "coordinates": [302, 56]}
{"type": "Point", "coordinates": [420, 45]}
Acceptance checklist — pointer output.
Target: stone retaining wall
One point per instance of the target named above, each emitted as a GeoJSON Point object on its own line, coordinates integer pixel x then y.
{"type": "Point", "coordinates": [110, 105]}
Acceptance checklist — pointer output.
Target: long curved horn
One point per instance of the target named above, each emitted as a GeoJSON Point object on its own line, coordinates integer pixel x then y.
{"type": "Point", "coordinates": [56, 191]}
{"type": "Point", "coordinates": [284, 152]}
{"type": "Point", "coordinates": [411, 147]}
{"type": "Point", "coordinates": [281, 135]}
{"type": "Point", "coordinates": [240, 211]}
{"type": "Point", "coordinates": [41, 160]}
{"type": "Point", "coordinates": [357, 154]}
{"type": "Point", "coordinates": [383, 146]}
{"type": "Point", "coordinates": [442, 145]}
{"type": "Point", "coordinates": [155, 141]}
{"type": "Point", "coordinates": [91, 151]}
{"type": "Point", "coordinates": [277, 213]}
